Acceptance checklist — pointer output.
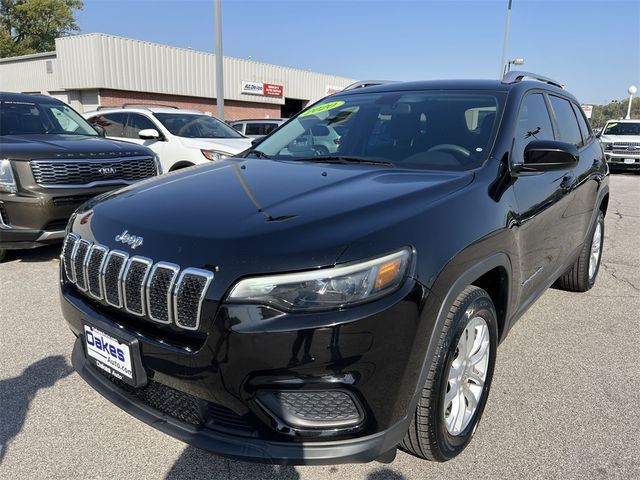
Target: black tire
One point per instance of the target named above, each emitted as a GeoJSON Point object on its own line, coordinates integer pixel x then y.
{"type": "Point", "coordinates": [428, 436]}
{"type": "Point", "coordinates": [3, 253]}
{"type": "Point", "coordinates": [578, 279]}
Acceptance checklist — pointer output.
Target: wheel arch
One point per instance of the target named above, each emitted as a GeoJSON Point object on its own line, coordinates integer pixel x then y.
{"type": "Point", "coordinates": [181, 164]}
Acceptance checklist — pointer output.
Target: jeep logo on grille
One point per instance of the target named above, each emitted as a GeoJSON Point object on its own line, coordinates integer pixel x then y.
{"type": "Point", "coordinates": [128, 239]}
{"type": "Point", "coordinates": [107, 171]}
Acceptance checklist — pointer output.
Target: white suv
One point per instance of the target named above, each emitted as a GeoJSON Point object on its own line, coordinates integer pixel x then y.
{"type": "Point", "coordinates": [181, 138]}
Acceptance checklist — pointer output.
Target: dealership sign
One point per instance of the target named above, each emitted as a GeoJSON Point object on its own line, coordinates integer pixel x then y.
{"type": "Point", "coordinates": [263, 89]}
{"type": "Point", "coordinates": [588, 110]}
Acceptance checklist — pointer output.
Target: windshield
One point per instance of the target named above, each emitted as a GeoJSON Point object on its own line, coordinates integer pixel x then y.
{"type": "Point", "coordinates": [622, 128]}
{"type": "Point", "coordinates": [192, 125]}
{"type": "Point", "coordinates": [427, 129]}
{"type": "Point", "coordinates": [31, 118]}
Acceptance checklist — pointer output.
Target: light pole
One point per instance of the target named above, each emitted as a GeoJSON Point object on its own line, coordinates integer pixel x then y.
{"type": "Point", "coordinates": [515, 61]}
{"type": "Point", "coordinates": [219, 58]}
{"type": "Point", "coordinates": [505, 42]}
{"type": "Point", "coordinates": [632, 90]}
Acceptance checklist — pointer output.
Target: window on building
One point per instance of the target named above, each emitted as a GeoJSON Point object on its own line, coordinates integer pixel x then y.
{"type": "Point", "coordinates": [533, 124]}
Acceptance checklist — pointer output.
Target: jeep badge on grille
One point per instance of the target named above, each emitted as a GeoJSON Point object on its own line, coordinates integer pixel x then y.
{"type": "Point", "coordinates": [132, 240]}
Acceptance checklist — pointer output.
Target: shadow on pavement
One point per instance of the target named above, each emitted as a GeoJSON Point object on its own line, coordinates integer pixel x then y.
{"type": "Point", "coordinates": [196, 464]}
{"type": "Point", "coordinates": [17, 393]}
{"type": "Point", "coordinates": [34, 255]}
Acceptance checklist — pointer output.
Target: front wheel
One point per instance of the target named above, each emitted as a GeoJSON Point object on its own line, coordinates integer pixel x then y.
{"type": "Point", "coordinates": [458, 382]}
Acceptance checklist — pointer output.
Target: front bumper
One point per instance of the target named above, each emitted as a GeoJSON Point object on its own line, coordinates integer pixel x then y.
{"type": "Point", "coordinates": [35, 219]}
{"type": "Point", "coordinates": [617, 162]}
{"type": "Point", "coordinates": [375, 353]}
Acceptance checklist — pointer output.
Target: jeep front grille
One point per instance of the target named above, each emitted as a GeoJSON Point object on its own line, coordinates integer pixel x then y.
{"type": "Point", "coordinates": [87, 172]}
{"type": "Point", "coordinates": [137, 285]}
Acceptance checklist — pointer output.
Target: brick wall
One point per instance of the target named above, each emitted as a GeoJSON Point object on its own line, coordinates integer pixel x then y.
{"type": "Point", "coordinates": [233, 109]}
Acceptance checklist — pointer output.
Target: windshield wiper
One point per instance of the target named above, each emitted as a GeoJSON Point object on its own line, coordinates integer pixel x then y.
{"type": "Point", "coordinates": [345, 160]}
{"type": "Point", "coordinates": [257, 153]}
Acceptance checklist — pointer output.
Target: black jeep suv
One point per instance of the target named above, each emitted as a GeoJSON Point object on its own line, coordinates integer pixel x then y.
{"type": "Point", "coordinates": [52, 161]}
{"type": "Point", "coordinates": [319, 305]}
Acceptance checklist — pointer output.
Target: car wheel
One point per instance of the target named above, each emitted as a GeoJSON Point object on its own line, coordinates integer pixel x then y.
{"type": "Point", "coordinates": [584, 271]}
{"type": "Point", "coordinates": [3, 253]}
{"type": "Point", "coordinates": [458, 382]}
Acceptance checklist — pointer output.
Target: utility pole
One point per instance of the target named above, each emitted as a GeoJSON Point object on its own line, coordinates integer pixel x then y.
{"type": "Point", "coordinates": [505, 43]}
{"type": "Point", "coordinates": [219, 58]}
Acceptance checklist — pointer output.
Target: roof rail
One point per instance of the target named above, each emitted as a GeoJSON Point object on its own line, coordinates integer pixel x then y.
{"type": "Point", "coordinates": [517, 76]}
{"type": "Point", "coordinates": [147, 105]}
{"type": "Point", "coordinates": [366, 83]}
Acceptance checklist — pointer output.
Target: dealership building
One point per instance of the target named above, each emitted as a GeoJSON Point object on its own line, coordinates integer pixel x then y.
{"type": "Point", "coordinates": [93, 70]}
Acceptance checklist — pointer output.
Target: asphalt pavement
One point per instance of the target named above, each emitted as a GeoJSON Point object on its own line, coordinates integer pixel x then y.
{"type": "Point", "coordinates": [565, 400]}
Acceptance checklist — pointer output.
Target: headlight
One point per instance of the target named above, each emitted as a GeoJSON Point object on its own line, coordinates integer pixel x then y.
{"type": "Point", "coordinates": [7, 181]}
{"type": "Point", "coordinates": [328, 288]}
{"type": "Point", "coordinates": [608, 146]}
{"type": "Point", "coordinates": [156, 159]}
{"type": "Point", "coordinates": [215, 155]}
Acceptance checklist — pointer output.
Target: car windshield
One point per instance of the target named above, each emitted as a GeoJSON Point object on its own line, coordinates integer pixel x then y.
{"type": "Point", "coordinates": [622, 128]}
{"type": "Point", "coordinates": [35, 118]}
{"type": "Point", "coordinates": [426, 129]}
{"type": "Point", "coordinates": [192, 125]}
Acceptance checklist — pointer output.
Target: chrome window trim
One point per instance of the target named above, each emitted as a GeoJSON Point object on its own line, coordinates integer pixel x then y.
{"type": "Point", "coordinates": [170, 266]}
{"type": "Point", "coordinates": [96, 246]}
{"type": "Point", "coordinates": [69, 271]}
{"type": "Point", "coordinates": [148, 262]}
{"type": "Point", "coordinates": [89, 244]}
{"type": "Point", "coordinates": [125, 257]}
{"type": "Point", "coordinates": [200, 273]}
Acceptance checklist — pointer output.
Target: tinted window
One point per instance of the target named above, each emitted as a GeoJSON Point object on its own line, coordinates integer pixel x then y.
{"type": "Point", "coordinates": [584, 128]}
{"type": "Point", "coordinates": [193, 125]}
{"type": "Point", "coordinates": [24, 118]}
{"type": "Point", "coordinates": [113, 123]}
{"type": "Point", "coordinates": [533, 124]}
{"type": "Point", "coordinates": [421, 129]}
{"type": "Point", "coordinates": [136, 123]}
{"type": "Point", "coordinates": [567, 121]}
{"type": "Point", "coordinates": [237, 126]}
{"type": "Point", "coordinates": [622, 128]}
{"type": "Point", "coordinates": [260, 128]}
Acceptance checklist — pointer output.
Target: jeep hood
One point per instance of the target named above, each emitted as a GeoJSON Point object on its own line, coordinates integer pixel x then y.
{"type": "Point", "coordinates": [255, 214]}
{"type": "Point", "coordinates": [47, 146]}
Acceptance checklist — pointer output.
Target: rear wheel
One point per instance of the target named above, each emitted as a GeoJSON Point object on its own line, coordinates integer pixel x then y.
{"type": "Point", "coordinates": [584, 271]}
{"type": "Point", "coordinates": [455, 393]}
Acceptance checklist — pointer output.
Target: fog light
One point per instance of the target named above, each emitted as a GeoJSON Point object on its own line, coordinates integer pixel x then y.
{"type": "Point", "coordinates": [313, 409]}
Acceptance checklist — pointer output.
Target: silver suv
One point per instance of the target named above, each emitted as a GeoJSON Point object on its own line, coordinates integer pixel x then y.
{"type": "Point", "coordinates": [620, 140]}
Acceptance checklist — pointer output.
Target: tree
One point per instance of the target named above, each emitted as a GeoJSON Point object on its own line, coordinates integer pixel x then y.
{"type": "Point", "coordinates": [614, 110]}
{"type": "Point", "coordinates": [31, 26]}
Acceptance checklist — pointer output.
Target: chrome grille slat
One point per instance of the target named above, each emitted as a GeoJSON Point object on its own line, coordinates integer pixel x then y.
{"type": "Point", "coordinates": [188, 296]}
{"type": "Point", "coordinates": [158, 290]}
{"type": "Point", "coordinates": [67, 253]}
{"type": "Point", "coordinates": [133, 287]}
{"type": "Point", "coordinates": [112, 277]}
{"type": "Point", "coordinates": [79, 258]}
{"type": "Point", "coordinates": [96, 259]}
{"type": "Point", "coordinates": [85, 172]}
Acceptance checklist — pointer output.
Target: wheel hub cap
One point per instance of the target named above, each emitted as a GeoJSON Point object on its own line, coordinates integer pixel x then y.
{"type": "Point", "coordinates": [466, 376]}
{"type": "Point", "coordinates": [596, 248]}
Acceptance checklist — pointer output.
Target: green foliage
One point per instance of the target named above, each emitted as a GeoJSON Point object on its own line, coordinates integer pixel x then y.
{"type": "Point", "coordinates": [614, 110]}
{"type": "Point", "coordinates": [31, 26]}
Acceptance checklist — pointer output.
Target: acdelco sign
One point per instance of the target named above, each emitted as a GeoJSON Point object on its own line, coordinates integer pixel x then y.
{"type": "Point", "coordinates": [264, 89]}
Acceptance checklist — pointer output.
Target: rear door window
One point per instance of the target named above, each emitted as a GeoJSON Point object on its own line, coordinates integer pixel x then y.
{"type": "Point", "coordinates": [567, 122]}
{"type": "Point", "coordinates": [113, 123]}
{"type": "Point", "coordinates": [533, 123]}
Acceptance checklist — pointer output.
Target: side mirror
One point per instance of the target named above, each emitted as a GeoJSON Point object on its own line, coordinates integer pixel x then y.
{"type": "Point", "coordinates": [100, 129]}
{"type": "Point", "coordinates": [546, 155]}
{"type": "Point", "coordinates": [149, 134]}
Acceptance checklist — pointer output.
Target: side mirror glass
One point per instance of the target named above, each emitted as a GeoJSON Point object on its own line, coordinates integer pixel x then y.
{"type": "Point", "coordinates": [149, 134]}
{"type": "Point", "coordinates": [546, 155]}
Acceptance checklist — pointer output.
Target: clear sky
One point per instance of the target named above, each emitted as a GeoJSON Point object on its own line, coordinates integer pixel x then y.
{"type": "Point", "coordinates": [591, 45]}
